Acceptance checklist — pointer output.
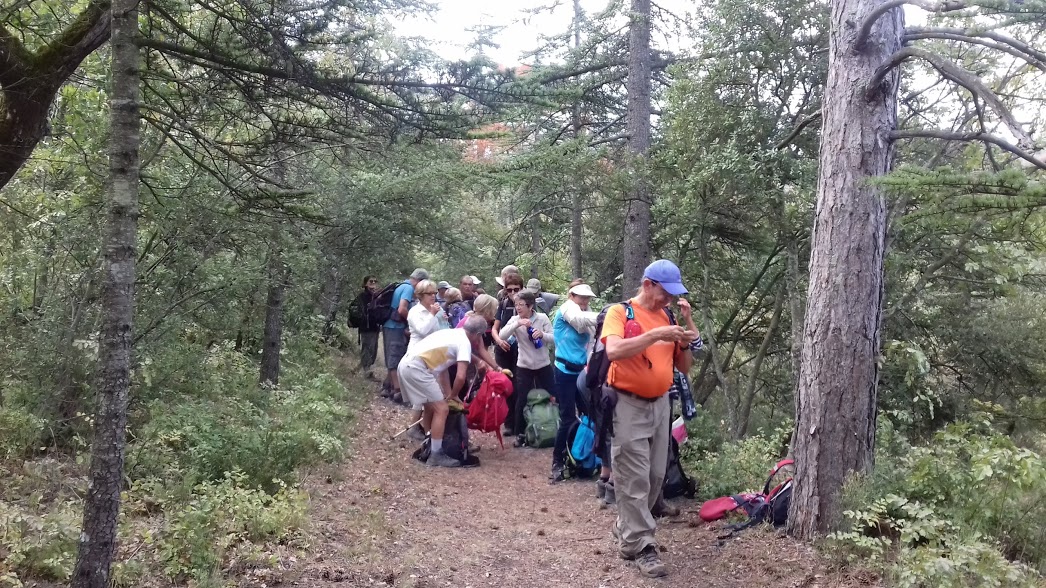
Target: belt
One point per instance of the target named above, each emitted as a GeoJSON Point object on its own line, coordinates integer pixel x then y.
{"type": "Point", "coordinates": [637, 396]}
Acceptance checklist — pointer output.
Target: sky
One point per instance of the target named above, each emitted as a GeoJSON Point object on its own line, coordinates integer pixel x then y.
{"type": "Point", "coordinates": [449, 27]}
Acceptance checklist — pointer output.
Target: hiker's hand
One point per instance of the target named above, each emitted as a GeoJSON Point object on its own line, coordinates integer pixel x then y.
{"type": "Point", "coordinates": [524, 322]}
{"type": "Point", "coordinates": [670, 333]}
{"type": "Point", "coordinates": [537, 335]}
{"type": "Point", "coordinates": [503, 344]}
{"type": "Point", "coordinates": [687, 337]}
{"type": "Point", "coordinates": [684, 309]}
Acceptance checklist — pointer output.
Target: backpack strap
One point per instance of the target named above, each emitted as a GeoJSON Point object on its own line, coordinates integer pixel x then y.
{"type": "Point", "coordinates": [773, 472]}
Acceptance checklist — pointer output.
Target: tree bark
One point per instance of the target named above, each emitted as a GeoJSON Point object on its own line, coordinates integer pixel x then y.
{"type": "Point", "coordinates": [102, 504]}
{"type": "Point", "coordinates": [272, 338]}
{"type": "Point", "coordinates": [637, 209]}
{"type": "Point", "coordinates": [577, 203]}
{"type": "Point", "coordinates": [29, 82]}
{"type": "Point", "coordinates": [835, 427]}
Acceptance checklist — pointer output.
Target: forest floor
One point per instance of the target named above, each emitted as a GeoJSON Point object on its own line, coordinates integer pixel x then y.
{"type": "Point", "coordinates": [381, 518]}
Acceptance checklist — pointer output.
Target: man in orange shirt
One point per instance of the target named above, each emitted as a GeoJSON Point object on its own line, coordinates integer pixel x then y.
{"type": "Point", "coordinates": [643, 345]}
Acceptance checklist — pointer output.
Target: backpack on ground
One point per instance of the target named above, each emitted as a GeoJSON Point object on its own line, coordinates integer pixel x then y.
{"type": "Point", "coordinates": [677, 482]}
{"type": "Point", "coordinates": [767, 506]}
{"type": "Point", "coordinates": [379, 309]}
{"type": "Point", "coordinates": [488, 409]}
{"type": "Point", "coordinates": [455, 441]}
{"type": "Point", "coordinates": [582, 461]}
{"type": "Point", "coordinates": [542, 419]}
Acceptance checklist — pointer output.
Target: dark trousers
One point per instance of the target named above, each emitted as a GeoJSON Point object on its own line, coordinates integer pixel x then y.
{"type": "Point", "coordinates": [527, 380]}
{"type": "Point", "coordinates": [368, 348]}
{"type": "Point", "coordinates": [570, 404]}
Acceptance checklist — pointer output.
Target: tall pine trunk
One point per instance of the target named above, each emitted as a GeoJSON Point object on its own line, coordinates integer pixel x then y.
{"type": "Point", "coordinates": [637, 209]}
{"type": "Point", "coordinates": [272, 338]}
{"type": "Point", "coordinates": [102, 504]}
{"type": "Point", "coordinates": [577, 202]}
{"type": "Point", "coordinates": [838, 384]}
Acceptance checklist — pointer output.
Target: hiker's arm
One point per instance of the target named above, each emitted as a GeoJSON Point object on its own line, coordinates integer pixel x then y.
{"type": "Point", "coordinates": [581, 320]}
{"type": "Point", "coordinates": [507, 330]}
{"type": "Point", "coordinates": [403, 308]}
{"type": "Point", "coordinates": [459, 379]}
{"type": "Point", "coordinates": [683, 359]}
{"type": "Point", "coordinates": [546, 331]}
{"type": "Point", "coordinates": [423, 324]}
{"type": "Point", "coordinates": [481, 353]}
{"type": "Point", "coordinates": [444, 383]}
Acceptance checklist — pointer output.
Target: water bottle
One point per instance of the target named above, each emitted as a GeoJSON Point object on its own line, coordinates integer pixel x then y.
{"type": "Point", "coordinates": [538, 343]}
{"type": "Point", "coordinates": [511, 340]}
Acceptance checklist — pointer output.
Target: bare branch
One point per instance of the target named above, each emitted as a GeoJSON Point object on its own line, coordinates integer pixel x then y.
{"type": "Point", "coordinates": [1006, 44]}
{"type": "Point", "coordinates": [958, 75]}
{"type": "Point", "coordinates": [795, 132]}
{"type": "Point", "coordinates": [1038, 160]}
{"type": "Point", "coordinates": [873, 16]}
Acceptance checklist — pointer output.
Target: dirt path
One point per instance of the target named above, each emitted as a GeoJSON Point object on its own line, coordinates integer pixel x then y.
{"type": "Point", "coordinates": [383, 519]}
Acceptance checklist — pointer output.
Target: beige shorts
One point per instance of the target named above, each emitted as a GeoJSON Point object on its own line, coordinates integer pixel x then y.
{"type": "Point", "coordinates": [418, 384]}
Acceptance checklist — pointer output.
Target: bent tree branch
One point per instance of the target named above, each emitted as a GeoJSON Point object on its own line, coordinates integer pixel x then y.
{"type": "Point", "coordinates": [958, 75]}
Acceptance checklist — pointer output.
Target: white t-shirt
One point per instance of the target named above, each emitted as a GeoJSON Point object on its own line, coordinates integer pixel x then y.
{"type": "Point", "coordinates": [441, 350]}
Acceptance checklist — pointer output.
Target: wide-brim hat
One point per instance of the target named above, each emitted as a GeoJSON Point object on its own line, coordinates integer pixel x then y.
{"type": "Point", "coordinates": [582, 290]}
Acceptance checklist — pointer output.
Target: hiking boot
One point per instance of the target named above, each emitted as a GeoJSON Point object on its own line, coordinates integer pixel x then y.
{"type": "Point", "coordinates": [664, 509]}
{"type": "Point", "coordinates": [416, 433]}
{"type": "Point", "coordinates": [557, 474]}
{"type": "Point", "coordinates": [473, 448]}
{"type": "Point", "coordinates": [521, 441]}
{"type": "Point", "coordinates": [609, 495]}
{"type": "Point", "coordinates": [649, 563]}
{"type": "Point", "coordinates": [601, 489]}
{"type": "Point", "coordinates": [439, 459]}
{"type": "Point", "coordinates": [397, 397]}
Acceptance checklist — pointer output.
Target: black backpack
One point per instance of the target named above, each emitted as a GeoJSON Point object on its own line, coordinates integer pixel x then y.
{"type": "Point", "coordinates": [379, 309]}
{"type": "Point", "coordinates": [677, 482]}
{"type": "Point", "coordinates": [357, 315]}
{"type": "Point", "coordinates": [455, 441]}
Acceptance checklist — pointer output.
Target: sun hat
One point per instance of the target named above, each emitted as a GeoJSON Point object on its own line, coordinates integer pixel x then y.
{"type": "Point", "coordinates": [666, 273]}
{"type": "Point", "coordinates": [582, 290]}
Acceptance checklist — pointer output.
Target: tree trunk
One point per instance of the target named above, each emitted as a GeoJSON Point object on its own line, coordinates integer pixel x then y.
{"type": "Point", "coordinates": [637, 209]}
{"type": "Point", "coordinates": [535, 245]}
{"type": "Point", "coordinates": [835, 426]}
{"type": "Point", "coordinates": [272, 339]}
{"type": "Point", "coordinates": [102, 504]}
{"type": "Point", "coordinates": [330, 298]}
{"type": "Point", "coordinates": [577, 203]}
{"type": "Point", "coordinates": [745, 410]}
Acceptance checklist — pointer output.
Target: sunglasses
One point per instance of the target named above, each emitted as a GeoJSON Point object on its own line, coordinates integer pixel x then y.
{"type": "Point", "coordinates": [511, 290]}
{"type": "Point", "coordinates": [372, 281]}
{"type": "Point", "coordinates": [424, 293]}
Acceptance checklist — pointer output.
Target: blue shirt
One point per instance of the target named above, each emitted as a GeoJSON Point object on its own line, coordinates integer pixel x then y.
{"type": "Point", "coordinates": [571, 345]}
{"type": "Point", "coordinates": [404, 291]}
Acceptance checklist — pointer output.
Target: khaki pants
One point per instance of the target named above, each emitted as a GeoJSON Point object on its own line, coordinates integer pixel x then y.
{"type": "Point", "coordinates": [640, 454]}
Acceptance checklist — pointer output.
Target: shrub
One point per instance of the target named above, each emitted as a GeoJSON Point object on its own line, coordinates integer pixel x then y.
{"type": "Point", "coordinates": [220, 516]}
{"type": "Point", "coordinates": [21, 433]}
{"type": "Point", "coordinates": [735, 466]}
{"type": "Point", "coordinates": [39, 544]}
{"type": "Point", "coordinates": [965, 510]}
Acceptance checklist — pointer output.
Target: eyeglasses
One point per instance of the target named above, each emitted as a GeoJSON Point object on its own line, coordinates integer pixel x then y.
{"type": "Point", "coordinates": [512, 290]}
{"type": "Point", "coordinates": [424, 293]}
{"type": "Point", "coordinates": [372, 281]}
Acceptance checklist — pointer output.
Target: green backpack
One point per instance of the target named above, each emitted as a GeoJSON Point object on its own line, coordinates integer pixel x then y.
{"type": "Point", "coordinates": [542, 419]}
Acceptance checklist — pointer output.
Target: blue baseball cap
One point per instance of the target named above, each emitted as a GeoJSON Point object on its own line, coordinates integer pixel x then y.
{"type": "Point", "coordinates": [666, 273]}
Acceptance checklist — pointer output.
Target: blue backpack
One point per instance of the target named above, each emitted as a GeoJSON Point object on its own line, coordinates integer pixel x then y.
{"type": "Point", "coordinates": [582, 461]}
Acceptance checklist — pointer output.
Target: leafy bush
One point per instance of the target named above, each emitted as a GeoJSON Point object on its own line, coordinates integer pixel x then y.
{"type": "Point", "coordinates": [735, 466]}
{"type": "Point", "coordinates": [20, 433]}
{"type": "Point", "coordinates": [965, 510]}
{"type": "Point", "coordinates": [220, 516]}
{"type": "Point", "coordinates": [39, 542]}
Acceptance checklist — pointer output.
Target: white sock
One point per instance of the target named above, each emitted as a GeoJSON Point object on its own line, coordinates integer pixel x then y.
{"type": "Point", "coordinates": [437, 445]}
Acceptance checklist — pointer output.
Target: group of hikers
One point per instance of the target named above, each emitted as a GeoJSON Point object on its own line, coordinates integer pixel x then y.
{"type": "Point", "coordinates": [436, 335]}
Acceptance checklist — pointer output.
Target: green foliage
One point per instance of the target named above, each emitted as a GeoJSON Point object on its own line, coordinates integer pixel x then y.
{"type": "Point", "coordinates": [724, 468]}
{"type": "Point", "coordinates": [264, 434]}
{"type": "Point", "coordinates": [20, 432]}
{"type": "Point", "coordinates": [39, 540]}
{"type": "Point", "coordinates": [964, 510]}
{"type": "Point", "coordinates": [221, 515]}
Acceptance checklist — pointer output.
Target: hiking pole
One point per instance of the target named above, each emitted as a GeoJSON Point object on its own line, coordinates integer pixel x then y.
{"type": "Point", "coordinates": [417, 422]}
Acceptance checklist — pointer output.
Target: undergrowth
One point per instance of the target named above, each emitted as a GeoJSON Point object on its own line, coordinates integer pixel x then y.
{"type": "Point", "coordinates": [213, 467]}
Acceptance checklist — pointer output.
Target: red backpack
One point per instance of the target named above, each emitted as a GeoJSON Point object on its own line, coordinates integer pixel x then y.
{"type": "Point", "coordinates": [769, 505]}
{"type": "Point", "coordinates": [489, 408]}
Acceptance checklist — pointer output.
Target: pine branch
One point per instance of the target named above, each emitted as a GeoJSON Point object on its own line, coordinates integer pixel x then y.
{"type": "Point", "coordinates": [873, 16]}
{"type": "Point", "coordinates": [1004, 43]}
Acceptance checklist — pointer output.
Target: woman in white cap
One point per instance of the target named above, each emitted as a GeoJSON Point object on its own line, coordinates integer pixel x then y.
{"type": "Point", "coordinates": [574, 328]}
